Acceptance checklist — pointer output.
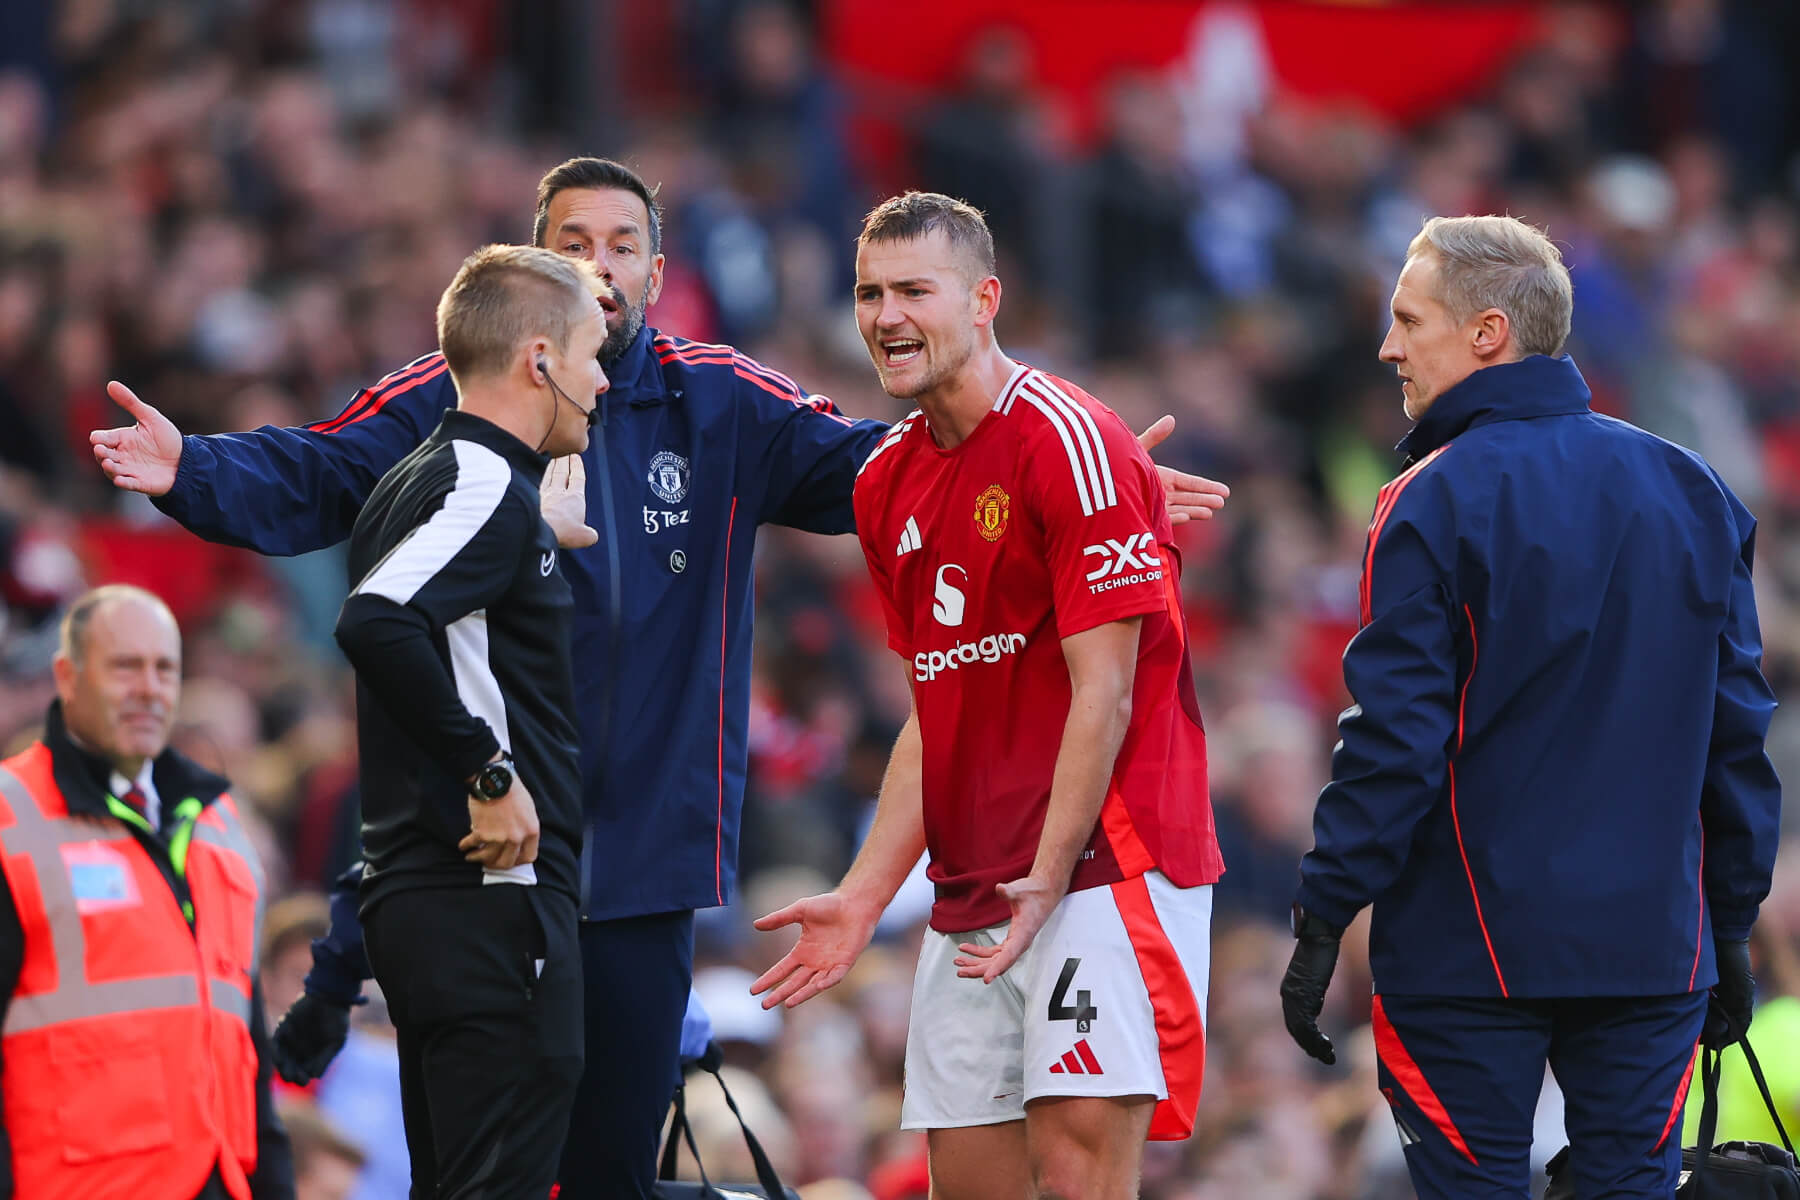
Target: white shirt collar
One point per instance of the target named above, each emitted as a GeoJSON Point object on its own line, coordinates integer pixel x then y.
{"type": "Point", "coordinates": [145, 784]}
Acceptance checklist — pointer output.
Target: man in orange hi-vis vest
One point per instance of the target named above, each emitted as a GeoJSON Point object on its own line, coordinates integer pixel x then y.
{"type": "Point", "coordinates": [130, 900]}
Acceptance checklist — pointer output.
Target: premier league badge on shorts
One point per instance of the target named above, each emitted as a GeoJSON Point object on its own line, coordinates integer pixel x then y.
{"type": "Point", "coordinates": [992, 508]}
{"type": "Point", "coordinates": [669, 476]}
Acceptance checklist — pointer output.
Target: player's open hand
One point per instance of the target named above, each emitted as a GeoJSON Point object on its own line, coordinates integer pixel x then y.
{"type": "Point", "coordinates": [503, 833]}
{"type": "Point", "coordinates": [562, 498]}
{"type": "Point", "coordinates": [1032, 901]}
{"type": "Point", "coordinates": [833, 932]}
{"type": "Point", "coordinates": [140, 457]}
{"type": "Point", "coordinates": [1189, 497]}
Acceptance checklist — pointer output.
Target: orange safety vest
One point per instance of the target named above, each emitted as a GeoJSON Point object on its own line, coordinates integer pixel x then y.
{"type": "Point", "coordinates": [130, 1071]}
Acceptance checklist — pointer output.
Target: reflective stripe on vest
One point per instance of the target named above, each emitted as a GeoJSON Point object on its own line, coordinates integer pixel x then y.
{"type": "Point", "coordinates": [41, 839]}
{"type": "Point", "coordinates": [229, 1000]}
{"type": "Point", "coordinates": [230, 836]}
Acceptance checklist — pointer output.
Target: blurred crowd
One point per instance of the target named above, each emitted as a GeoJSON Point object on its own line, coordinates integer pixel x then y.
{"type": "Point", "coordinates": [247, 208]}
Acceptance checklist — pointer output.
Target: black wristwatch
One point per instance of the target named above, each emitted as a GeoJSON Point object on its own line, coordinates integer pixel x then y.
{"type": "Point", "coordinates": [494, 780]}
{"type": "Point", "coordinates": [1310, 925]}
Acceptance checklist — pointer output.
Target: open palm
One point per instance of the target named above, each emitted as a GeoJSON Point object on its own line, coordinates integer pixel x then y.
{"type": "Point", "coordinates": [833, 931]}
{"type": "Point", "coordinates": [141, 457]}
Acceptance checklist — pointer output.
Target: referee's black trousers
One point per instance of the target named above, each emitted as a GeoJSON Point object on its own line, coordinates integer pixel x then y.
{"type": "Point", "coordinates": [490, 1044]}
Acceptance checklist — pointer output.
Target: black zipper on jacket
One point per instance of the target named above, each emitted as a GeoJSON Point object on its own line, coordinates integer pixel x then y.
{"type": "Point", "coordinates": [615, 621]}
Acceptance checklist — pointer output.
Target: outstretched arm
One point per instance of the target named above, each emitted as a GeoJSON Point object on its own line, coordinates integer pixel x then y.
{"type": "Point", "coordinates": [1102, 666]}
{"type": "Point", "coordinates": [835, 927]}
{"type": "Point", "coordinates": [275, 491]}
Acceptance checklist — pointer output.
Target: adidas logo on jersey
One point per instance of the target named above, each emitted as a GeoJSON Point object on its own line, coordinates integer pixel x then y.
{"type": "Point", "coordinates": [909, 538]}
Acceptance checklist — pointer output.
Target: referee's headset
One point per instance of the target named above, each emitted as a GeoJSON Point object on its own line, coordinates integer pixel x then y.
{"type": "Point", "coordinates": [592, 414]}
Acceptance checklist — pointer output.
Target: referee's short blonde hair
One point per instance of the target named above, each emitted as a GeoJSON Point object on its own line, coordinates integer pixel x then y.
{"type": "Point", "coordinates": [1501, 262]}
{"type": "Point", "coordinates": [503, 295]}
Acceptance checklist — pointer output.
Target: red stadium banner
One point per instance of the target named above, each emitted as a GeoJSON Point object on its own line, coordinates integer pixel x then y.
{"type": "Point", "coordinates": [1404, 59]}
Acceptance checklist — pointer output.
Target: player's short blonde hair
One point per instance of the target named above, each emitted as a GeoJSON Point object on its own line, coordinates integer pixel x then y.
{"type": "Point", "coordinates": [920, 214]}
{"type": "Point", "coordinates": [503, 295]}
{"type": "Point", "coordinates": [1501, 262]}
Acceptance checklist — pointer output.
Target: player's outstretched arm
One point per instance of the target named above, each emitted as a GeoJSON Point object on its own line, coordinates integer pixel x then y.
{"type": "Point", "coordinates": [835, 927]}
{"type": "Point", "coordinates": [1189, 497]}
{"type": "Point", "coordinates": [1102, 665]}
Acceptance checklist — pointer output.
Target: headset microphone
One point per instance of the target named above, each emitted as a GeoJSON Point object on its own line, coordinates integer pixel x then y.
{"type": "Point", "coordinates": [592, 415]}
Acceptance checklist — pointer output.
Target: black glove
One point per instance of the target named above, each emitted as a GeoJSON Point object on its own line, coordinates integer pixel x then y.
{"type": "Point", "coordinates": [1303, 987]}
{"type": "Point", "coordinates": [308, 1038]}
{"type": "Point", "coordinates": [1728, 1011]}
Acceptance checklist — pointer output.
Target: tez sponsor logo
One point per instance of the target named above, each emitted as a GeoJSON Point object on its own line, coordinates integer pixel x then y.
{"type": "Point", "coordinates": [1122, 564]}
{"type": "Point", "coordinates": [659, 519]}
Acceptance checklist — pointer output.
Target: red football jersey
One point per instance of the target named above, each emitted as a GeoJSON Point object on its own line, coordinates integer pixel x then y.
{"type": "Point", "coordinates": [1046, 521]}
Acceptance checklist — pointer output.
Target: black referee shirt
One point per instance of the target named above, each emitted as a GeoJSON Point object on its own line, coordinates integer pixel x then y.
{"type": "Point", "coordinates": [458, 627]}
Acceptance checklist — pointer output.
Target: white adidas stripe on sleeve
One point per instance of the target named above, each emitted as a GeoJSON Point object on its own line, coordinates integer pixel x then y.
{"type": "Point", "coordinates": [1090, 486]}
{"type": "Point", "coordinates": [1083, 419]}
{"type": "Point", "coordinates": [890, 438]}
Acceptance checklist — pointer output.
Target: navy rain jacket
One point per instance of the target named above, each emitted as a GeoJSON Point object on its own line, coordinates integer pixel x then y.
{"type": "Point", "coordinates": [1553, 781]}
{"type": "Point", "coordinates": [698, 446]}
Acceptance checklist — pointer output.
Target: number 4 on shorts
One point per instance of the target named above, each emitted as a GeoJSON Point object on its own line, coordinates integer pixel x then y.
{"type": "Point", "coordinates": [1083, 1013]}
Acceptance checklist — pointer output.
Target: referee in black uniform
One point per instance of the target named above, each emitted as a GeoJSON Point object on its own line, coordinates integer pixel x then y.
{"type": "Point", "coordinates": [458, 626]}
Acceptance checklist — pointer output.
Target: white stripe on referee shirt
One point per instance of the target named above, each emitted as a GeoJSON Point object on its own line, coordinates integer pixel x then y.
{"type": "Point", "coordinates": [467, 638]}
{"type": "Point", "coordinates": [481, 479]}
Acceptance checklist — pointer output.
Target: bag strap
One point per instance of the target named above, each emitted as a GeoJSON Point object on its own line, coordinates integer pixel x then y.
{"type": "Point", "coordinates": [672, 1143]}
{"type": "Point", "coordinates": [1711, 1063]}
{"type": "Point", "coordinates": [671, 1148]}
{"type": "Point", "coordinates": [1762, 1086]}
{"type": "Point", "coordinates": [765, 1170]}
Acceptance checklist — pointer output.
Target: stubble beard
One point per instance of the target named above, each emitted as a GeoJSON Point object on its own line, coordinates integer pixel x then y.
{"type": "Point", "coordinates": [619, 340]}
{"type": "Point", "coordinates": [938, 374]}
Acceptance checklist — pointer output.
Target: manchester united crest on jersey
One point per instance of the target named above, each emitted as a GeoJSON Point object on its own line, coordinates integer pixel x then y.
{"type": "Point", "coordinates": [992, 508]}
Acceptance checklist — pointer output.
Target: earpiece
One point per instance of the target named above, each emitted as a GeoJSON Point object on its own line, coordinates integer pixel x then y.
{"type": "Point", "coordinates": [542, 370]}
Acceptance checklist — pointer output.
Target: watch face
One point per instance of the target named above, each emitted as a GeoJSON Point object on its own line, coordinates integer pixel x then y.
{"type": "Point", "coordinates": [494, 781]}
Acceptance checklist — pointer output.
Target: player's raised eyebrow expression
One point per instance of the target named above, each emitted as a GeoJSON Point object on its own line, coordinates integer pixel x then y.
{"type": "Point", "coordinates": [629, 228]}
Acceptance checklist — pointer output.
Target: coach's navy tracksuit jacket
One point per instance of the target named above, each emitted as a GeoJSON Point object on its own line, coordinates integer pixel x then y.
{"type": "Point", "coordinates": [1553, 781]}
{"type": "Point", "coordinates": [698, 446]}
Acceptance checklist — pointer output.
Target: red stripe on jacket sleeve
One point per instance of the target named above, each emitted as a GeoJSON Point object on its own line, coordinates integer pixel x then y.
{"type": "Point", "coordinates": [376, 398]}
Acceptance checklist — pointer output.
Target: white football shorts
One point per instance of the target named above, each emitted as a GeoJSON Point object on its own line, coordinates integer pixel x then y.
{"type": "Point", "coordinates": [1109, 1000]}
